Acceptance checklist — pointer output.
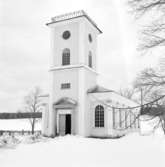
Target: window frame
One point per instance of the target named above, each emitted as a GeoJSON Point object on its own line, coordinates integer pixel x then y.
{"type": "Point", "coordinates": [66, 57]}
{"type": "Point", "coordinates": [90, 38]}
{"type": "Point", "coordinates": [65, 86]}
{"type": "Point", "coordinates": [99, 117]}
{"type": "Point", "coordinates": [66, 35]}
{"type": "Point", "coordinates": [90, 63]}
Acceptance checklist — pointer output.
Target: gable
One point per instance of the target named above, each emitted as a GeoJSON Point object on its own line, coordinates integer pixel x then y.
{"type": "Point", "coordinates": [65, 101]}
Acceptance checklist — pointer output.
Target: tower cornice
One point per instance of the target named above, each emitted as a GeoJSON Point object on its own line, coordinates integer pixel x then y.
{"type": "Point", "coordinates": [72, 67]}
{"type": "Point", "coordinates": [73, 15]}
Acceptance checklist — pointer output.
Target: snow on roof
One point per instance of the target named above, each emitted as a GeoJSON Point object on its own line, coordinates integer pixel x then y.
{"type": "Point", "coordinates": [65, 100]}
{"type": "Point", "coordinates": [73, 15]}
{"type": "Point", "coordinates": [106, 95]}
{"type": "Point", "coordinates": [98, 89]}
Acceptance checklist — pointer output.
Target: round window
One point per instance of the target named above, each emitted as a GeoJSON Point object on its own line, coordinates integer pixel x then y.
{"type": "Point", "coordinates": [66, 34]}
{"type": "Point", "coordinates": [90, 37]}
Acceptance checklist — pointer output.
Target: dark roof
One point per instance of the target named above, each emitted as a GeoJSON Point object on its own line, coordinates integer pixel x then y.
{"type": "Point", "coordinates": [98, 89]}
{"type": "Point", "coordinates": [20, 115]}
{"type": "Point", "coordinates": [73, 15]}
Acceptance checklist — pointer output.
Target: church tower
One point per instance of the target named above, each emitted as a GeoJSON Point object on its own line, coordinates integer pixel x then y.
{"type": "Point", "coordinates": [72, 72]}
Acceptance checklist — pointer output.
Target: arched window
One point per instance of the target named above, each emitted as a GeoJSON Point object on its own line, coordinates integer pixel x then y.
{"type": "Point", "coordinates": [90, 59]}
{"type": "Point", "coordinates": [99, 116]}
{"type": "Point", "coordinates": [66, 57]}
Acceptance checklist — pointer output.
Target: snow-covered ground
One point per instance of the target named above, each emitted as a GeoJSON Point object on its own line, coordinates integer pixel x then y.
{"type": "Point", "coordinates": [132, 150]}
{"type": "Point", "coordinates": [17, 124]}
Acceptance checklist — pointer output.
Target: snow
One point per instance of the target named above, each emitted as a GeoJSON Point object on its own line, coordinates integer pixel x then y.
{"type": "Point", "coordinates": [17, 124]}
{"type": "Point", "coordinates": [132, 150]}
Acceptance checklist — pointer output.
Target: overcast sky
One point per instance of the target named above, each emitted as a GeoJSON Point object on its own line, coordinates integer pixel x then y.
{"type": "Point", "coordinates": [25, 45]}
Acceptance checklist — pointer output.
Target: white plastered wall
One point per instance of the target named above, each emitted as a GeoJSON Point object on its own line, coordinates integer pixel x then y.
{"type": "Point", "coordinates": [81, 78]}
{"type": "Point", "coordinates": [116, 100]}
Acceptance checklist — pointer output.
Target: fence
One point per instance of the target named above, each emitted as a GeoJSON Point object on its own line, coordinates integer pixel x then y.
{"type": "Point", "coordinates": [19, 115]}
{"type": "Point", "coordinates": [18, 132]}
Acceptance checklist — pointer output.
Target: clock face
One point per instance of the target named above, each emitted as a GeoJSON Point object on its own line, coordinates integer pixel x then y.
{"type": "Point", "coordinates": [66, 34]}
{"type": "Point", "coordinates": [90, 37]}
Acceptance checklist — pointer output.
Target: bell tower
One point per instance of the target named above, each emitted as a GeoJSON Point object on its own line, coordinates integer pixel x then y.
{"type": "Point", "coordinates": [73, 66]}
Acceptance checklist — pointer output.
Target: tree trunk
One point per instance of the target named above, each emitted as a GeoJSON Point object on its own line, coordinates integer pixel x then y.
{"type": "Point", "coordinates": [33, 126]}
{"type": "Point", "coordinates": [163, 127]}
{"type": "Point", "coordinates": [163, 124]}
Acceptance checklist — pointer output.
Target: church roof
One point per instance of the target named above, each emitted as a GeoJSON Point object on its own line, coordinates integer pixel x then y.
{"type": "Point", "coordinates": [73, 15]}
{"type": "Point", "coordinates": [98, 89]}
{"type": "Point", "coordinates": [65, 101]}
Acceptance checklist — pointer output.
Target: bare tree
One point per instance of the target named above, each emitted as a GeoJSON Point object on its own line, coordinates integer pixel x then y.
{"type": "Point", "coordinates": [156, 114]}
{"type": "Point", "coordinates": [127, 92]}
{"type": "Point", "coordinates": [33, 104]}
{"type": "Point", "coordinates": [152, 81]}
{"type": "Point", "coordinates": [153, 85]}
{"type": "Point", "coordinates": [153, 33]}
{"type": "Point", "coordinates": [150, 78]}
{"type": "Point", "coordinates": [141, 7]}
{"type": "Point", "coordinates": [152, 36]}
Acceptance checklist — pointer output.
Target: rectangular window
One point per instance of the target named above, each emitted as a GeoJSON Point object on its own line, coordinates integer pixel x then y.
{"type": "Point", "coordinates": [126, 115]}
{"type": "Point", "coordinates": [114, 118]}
{"type": "Point", "coordinates": [65, 86]}
{"type": "Point", "coordinates": [130, 117]}
{"type": "Point", "coordinates": [120, 118]}
{"type": "Point", "coordinates": [66, 57]}
{"type": "Point", "coordinates": [66, 60]}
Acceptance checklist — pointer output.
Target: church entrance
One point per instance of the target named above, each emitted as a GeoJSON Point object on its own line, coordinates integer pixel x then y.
{"type": "Point", "coordinates": [68, 124]}
{"type": "Point", "coordinates": [64, 122]}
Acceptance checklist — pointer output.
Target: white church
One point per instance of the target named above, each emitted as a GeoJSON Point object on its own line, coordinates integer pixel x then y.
{"type": "Point", "coordinates": [76, 104]}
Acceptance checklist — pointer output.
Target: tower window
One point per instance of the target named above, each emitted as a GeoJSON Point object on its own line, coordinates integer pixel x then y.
{"type": "Point", "coordinates": [99, 116]}
{"type": "Point", "coordinates": [66, 57]}
{"type": "Point", "coordinates": [90, 37]}
{"type": "Point", "coordinates": [66, 34]}
{"type": "Point", "coordinates": [90, 59]}
{"type": "Point", "coordinates": [65, 86]}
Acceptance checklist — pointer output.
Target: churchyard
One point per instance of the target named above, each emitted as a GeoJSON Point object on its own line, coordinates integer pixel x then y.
{"type": "Point", "coordinates": [75, 151]}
